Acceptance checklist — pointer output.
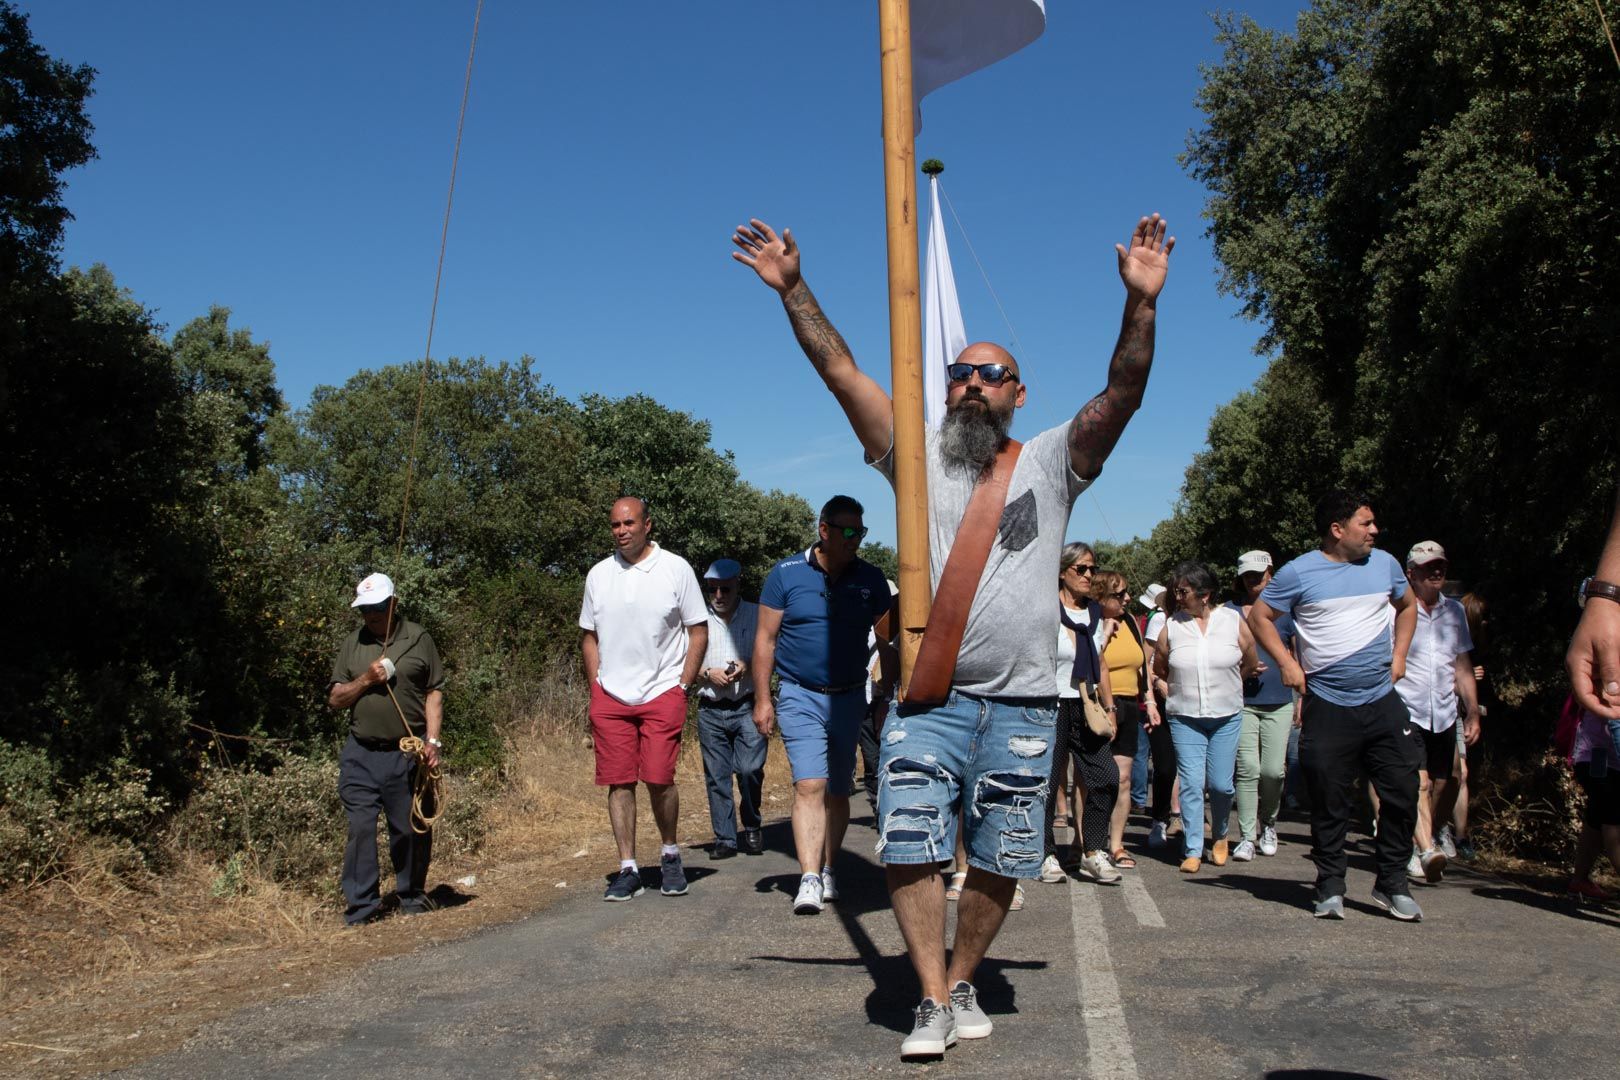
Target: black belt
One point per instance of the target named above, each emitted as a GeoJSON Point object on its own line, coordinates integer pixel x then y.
{"type": "Point", "coordinates": [377, 744]}
{"type": "Point", "coordinates": [830, 689]}
{"type": "Point", "coordinates": [726, 703]}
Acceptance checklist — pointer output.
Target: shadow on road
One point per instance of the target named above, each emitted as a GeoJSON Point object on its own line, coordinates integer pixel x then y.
{"type": "Point", "coordinates": [1558, 905]}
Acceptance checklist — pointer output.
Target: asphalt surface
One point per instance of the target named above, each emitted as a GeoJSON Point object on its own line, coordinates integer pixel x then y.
{"type": "Point", "coordinates": [1219, 974]}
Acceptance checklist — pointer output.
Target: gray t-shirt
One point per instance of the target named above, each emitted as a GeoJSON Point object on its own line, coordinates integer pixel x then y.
{"type": "Point", "coordinates": [1009, 646]}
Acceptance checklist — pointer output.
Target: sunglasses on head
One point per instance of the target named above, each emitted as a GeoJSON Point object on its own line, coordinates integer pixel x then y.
{"type": "Point", "coordinates": [849, 532]}
{"type": "Point", "coordinates": [989, 374]}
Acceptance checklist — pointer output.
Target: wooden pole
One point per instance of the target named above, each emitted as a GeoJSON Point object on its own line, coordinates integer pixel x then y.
{"type": "Point", "coordinates": [905, 329]}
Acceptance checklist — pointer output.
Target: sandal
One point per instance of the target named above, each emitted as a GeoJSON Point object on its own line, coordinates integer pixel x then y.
{"type": "Point", "coordinates": [953, 891]}
{"type": "Point", "coordinates": [1122, 860]}
{"type": "Point", "coordinates": [1018, 898]}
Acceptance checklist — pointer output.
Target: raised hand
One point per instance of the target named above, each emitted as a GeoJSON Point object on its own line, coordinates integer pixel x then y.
{"type": "Point", "coordinates": [1144, 265]}
{"type": "Point", "coordinates": [774, 258]}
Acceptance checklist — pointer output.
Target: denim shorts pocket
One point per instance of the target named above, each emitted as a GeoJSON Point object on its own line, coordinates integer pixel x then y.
{"type": "Point", "coordinates": [1040, 716]}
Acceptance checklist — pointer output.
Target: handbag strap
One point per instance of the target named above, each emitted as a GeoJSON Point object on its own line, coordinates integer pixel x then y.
{"type": "Point", "coordinates": [947, 618]}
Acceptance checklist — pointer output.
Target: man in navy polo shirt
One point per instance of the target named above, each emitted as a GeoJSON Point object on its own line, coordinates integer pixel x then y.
{"type": "Point", "coordinates": [815, 613]}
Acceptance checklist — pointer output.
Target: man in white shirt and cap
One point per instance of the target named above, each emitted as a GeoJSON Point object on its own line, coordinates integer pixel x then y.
{"type": "Point", "coordinates": [731, 744]}
{"type": "Point", "coordinates": [1439, 674]}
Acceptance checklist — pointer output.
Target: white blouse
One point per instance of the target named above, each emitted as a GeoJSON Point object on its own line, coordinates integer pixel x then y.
{"type": "Point", "coordinates": [1205, 679]}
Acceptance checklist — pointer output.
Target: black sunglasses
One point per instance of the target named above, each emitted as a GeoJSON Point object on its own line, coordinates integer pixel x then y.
{"type": "Point", "coordinates": [989, 374]}
{"type": "Point", "coordinates": [849, 532]}
{"type": "Point", "coordinates": [722, 589]}
{"type": "Point", "coordinates": [1084, 568]}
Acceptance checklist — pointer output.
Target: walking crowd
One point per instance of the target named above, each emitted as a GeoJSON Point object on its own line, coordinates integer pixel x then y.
{"type": "Point", "coordinates": [1339, 680]}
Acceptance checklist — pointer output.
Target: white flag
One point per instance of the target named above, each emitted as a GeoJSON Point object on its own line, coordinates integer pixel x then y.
{"type": "Point", "coordinates": [943, 335]}
{"type": "Point", "coordinates": [953, 38]}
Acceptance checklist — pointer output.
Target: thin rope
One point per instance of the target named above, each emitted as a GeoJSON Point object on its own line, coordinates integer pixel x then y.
{"type": "Point", "coordinates": [1011, 332]}
{"type": "Point", "coordinates": [427, 796]}
{"type": "Point", "coordinates": [1604, 19]}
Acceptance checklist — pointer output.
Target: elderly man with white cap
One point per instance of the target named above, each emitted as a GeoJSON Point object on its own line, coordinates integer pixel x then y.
{"type": "Point", "coordinates": [1439, 674]}
{"type": "Point", "coordinates": [1270, 713]}
{"type": "Point", "coordinates": [731, 744]}
{"type": "Point", "coordinates": [389, 676]}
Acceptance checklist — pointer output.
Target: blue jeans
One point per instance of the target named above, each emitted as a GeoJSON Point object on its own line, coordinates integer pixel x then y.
{"type": "Point", "coordinates": [986, 760]}
{"type": "Point", "coordinates": [1206, 755]}
{"type": "Point", "coordinates": [1139, 772]}
{"type": "Point", "coordinates": [731, 744]}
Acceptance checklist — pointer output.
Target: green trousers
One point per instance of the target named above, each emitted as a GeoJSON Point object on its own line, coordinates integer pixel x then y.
{"type": "Point", "coordinates": [1261, 765]}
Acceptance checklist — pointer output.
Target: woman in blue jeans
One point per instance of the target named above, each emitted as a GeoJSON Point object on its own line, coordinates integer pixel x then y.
{"type": "Point", "coordinates": [1205, 652]}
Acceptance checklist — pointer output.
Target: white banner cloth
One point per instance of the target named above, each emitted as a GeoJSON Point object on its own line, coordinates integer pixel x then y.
{"type": "Point", "coordinates": [943, 335]}
{"type": "Point", "coordinates": [953, 38]}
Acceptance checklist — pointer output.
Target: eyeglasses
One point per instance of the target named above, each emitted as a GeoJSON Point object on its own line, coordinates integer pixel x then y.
{"type": "Point", "coordinates": [1182, 590]}
{"type": "Point", "coordinates": [374, 609]}
{"type": "Point", "coordinates": [1121, 595]}
{"type": "Point", "coordinates": [722, 589]}
{"type": "Point", "coordinates": [1084, 568]}
{"type": "Point", "coordinates": [989, 374]}
{"type": "Point", "coordinates": [1431, 569]}
{"type": "Point", "coordinates": [848, 532]}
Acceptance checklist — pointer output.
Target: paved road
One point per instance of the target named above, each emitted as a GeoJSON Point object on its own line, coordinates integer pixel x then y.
{"type": "Point", "coordinates": [1221, 974]}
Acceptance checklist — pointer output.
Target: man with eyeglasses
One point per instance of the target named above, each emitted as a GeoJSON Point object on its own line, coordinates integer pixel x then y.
{"type": "Point", "coordinates": [816, 613]}
{"type": "Point", "coordinates": [643, 632]}
{"type": "Point", "coordinates": [389, 677]}
{"type": "Point", "coordinates": [730, 742]}
{"type": "Point", "coordinates": [987, 749]}
{"type": "Point", "coordinates": [1439, 674]}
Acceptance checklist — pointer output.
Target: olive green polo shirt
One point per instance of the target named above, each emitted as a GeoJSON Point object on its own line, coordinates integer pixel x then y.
{"type": "Point", "coordinates": [417, 669]}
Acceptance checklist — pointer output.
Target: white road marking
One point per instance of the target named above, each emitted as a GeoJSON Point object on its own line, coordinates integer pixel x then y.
{"type": "Point", "coordinates": [1140, 903]}
{"type": "Point", "coordinates": [1108, 1038]}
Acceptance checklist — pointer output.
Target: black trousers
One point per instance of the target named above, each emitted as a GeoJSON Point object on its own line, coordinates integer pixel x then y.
{"type": "Point", "coordinates": [369, 782]}
{"type": "Point", "coordinates": [1163, 749]}
{"type": "Point", "coordinates": [1094, 769]}
{"type": "Point", "coordinates": [1337, 745]}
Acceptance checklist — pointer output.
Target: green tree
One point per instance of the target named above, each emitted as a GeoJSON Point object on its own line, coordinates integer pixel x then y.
{"type": "Point", "coordinates": [1410, 202]}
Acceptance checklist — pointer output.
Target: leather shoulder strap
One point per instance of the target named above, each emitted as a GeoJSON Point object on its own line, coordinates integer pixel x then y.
{"type": "Point", "coordinates": [947, 617]}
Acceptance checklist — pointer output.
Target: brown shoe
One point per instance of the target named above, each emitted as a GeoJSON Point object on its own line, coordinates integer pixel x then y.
{"type": "Point", "coordinates": [1217, 853]}
{"type": "Point", "coordinates": [1190, 864]}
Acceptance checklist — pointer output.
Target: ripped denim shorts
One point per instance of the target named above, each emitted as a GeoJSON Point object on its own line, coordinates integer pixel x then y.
{"type": "Point", "coordinates": [997, 752]}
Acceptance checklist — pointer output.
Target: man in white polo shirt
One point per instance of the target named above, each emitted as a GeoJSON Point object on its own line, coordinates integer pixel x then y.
{"type": "Point", "coordinates": [1439, 673]}
{"type": "Point", "coordinates": [644, 632]}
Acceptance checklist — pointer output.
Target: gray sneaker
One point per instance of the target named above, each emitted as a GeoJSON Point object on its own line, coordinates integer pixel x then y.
{"type": "Point", "coordinates": [971, 1023]}
{"type": "Point", "coordinates": [1096, 867]}
{"type": "Point", "coordinates": [1446, 843]}
{"type": "Point", "coordinates": [1330, 908]}
{"type": "Point", "coordinates": [1434, 865]}
{"type": "Point", "coordinates": [1401, 906]}
{"type": "Point", "coordinates": [933, 1033]}
{"type": "Point", "coordinates": [626, 885]}
{"type": "Point", "coordinates": [674, 876]}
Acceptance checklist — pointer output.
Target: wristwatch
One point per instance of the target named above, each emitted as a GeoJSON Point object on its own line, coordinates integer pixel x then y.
{"type": "Point", "coordinates": [1594, 587]}
{"type": "Point", "coordinates": [435, 743]}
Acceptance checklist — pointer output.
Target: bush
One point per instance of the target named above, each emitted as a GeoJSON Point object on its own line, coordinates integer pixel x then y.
{"type": "Point", "coordinates": [33, 839]}
{"type": "Point", "coordinates": [288, 825]}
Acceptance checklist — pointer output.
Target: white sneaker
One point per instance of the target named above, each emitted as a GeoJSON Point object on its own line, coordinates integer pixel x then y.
{"type": "Point", "coordinates": [1414, 865]}
{"type": "Point", "coordinates": [829, 884]}
{"type": "Point", "coordinates": [1433, 864]}
{"type": "Point", "coordinates": [1268, 840]}
{"type": "Point", "coordinates": [1051, 872]}
{"type": "Point", "coordinates": [1446, 843]}
{"type": "Point", "coordinates": [1244, 852]}
{"type": "Point", "coordinates": [808, 902]}
{"type": "Point", "coordinates": [1156, 835]}
{"type": "Point", "coordinates": [1096, 867]}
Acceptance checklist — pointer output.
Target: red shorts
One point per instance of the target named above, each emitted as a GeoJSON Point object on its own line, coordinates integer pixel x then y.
{"type": "Point", "coordinates": [636, 742]}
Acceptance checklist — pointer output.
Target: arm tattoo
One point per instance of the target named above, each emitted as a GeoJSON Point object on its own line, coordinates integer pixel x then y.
{"type": "Point", "coordinates": [819, 339]}
{"type": "Point", "coordinates": [1099, 423]}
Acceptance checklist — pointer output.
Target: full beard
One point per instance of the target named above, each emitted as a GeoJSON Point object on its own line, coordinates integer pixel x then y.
{"type": "Point", "coordinates": [970, 438]}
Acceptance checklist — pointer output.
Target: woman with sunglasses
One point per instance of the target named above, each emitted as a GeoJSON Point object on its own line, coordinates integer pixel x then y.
{"type": "Point", "coordinates": [1205, 652]}
{"type": "Point", "coordinates": [1124, 655]}
{"type": "Point", "coordinates": [1079, 672]}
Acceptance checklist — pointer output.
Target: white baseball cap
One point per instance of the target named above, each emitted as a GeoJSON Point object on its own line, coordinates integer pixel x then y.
{"type": "Point", "coordinates": [373, 589]}
{"type": "Point", "coordinates": [1150, 596]}
{"type": "Point", "coordinates": [1255, 562]}
{"type": "Point", "coordinates": [1424, 552]}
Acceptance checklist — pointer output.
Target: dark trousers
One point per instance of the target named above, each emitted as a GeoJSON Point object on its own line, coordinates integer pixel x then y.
{"type": "Point", "coordinates": [871, 732]}
{"type": "Point", "coordinates": [732, 746]}
{"type": "Point", "coordinates": [1094, 769]}
{"type": "Point", "coordinates": [1339, 743]}
{"type": "Point", "coordinates": [369, 782]}
{"type": "Point", "coordinates": [1163, 749]}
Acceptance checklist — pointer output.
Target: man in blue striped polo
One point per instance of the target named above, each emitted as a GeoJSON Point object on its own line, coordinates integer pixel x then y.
{"type": "Point", "coordinates": [1353, 617]}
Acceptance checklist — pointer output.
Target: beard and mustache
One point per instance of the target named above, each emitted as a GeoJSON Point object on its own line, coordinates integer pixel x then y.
{"type": "Point", "coordinates": [970, 437]}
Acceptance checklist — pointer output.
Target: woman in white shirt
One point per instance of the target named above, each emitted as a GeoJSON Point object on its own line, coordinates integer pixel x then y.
{"type": "Point", "coordinates": [1204, 651]}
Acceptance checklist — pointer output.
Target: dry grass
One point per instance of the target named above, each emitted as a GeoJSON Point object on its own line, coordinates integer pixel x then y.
{"type": "Point", "coordinates": [98, 971]}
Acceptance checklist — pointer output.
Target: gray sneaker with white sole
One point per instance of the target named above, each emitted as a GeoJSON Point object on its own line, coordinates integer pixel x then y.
{"type": "Point", "coordinates": [971, 1023]}
{"type": "Point", "coordinates": [933, 1032]}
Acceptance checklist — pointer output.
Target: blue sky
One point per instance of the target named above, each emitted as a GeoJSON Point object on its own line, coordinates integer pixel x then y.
{"type": "Point", "coordinates": [289, 161]}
